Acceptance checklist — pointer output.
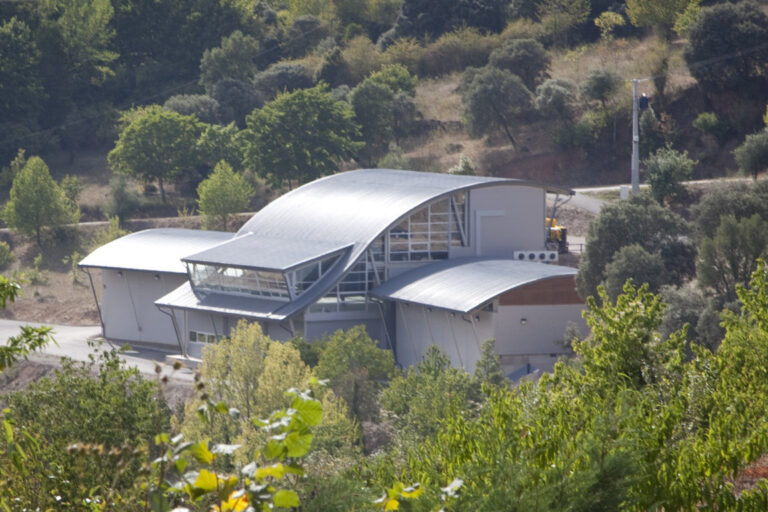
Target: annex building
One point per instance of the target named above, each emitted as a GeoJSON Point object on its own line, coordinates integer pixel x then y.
{"type": "Point", "coordinates": [418, 258]}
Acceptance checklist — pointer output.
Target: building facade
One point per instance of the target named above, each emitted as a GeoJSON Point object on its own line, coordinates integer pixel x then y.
{"type": "Point", "coordinates": [418, 258]}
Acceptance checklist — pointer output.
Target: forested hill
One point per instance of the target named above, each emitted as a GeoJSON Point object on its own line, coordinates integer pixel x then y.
{"type": "Point", "coordinates": [529, 88]}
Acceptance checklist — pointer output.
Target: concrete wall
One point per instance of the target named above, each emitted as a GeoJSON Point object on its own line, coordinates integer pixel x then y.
{"type": "Point", "coordinates": [128, 309]}
{"type": "Point", "coordinates": [504, 219]}
{"type": "Point", "coordinates": [533, 334]}
{"type": "Point", "coordinates": [417, 328]}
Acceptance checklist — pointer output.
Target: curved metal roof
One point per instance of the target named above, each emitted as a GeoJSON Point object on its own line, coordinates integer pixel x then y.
{"type": "Point", "coordinates": [355, 207]}
{"type": "Point", "coordinates": [154, 250]}
{"type": "Point", "coordinates": [465, 284]}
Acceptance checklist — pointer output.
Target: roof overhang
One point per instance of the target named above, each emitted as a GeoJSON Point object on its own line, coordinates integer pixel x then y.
{"type": "Point", "coordinates": [465, 284]}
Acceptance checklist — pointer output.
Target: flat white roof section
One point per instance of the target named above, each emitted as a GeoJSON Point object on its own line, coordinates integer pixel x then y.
{"type": "Point", "coordinates": [465, 284]}
{"type": "Point", "coordinates": [154, 250]}
{"type": "Point", "coordinates": [251, 251]}
{"type": "Point", "coordinates": [184, 297]}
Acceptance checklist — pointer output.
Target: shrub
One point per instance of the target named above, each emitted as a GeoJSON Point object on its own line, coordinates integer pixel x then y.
{"type": "Point", "coordinates": [635, 263]}
{"type": "Point", "coordinates": [362, 58]}
{"type": "Point", "coordinates": [524, 57]}
{"type": "Point", "coordinates": [6, 256]}
{"type": "Point", "coordinates": [204, 107]}
{"type": "Point", "coordinates": [113, 231]}
{"type": "Point", "coordinates": [122, 202]}
{"type": "Point", "coordinates": [455, 51]}
{"type": "Point", "coordinates": [752, 155]}
{"type": "Point", "coordinates": [406, 51]}
{"type": "Point", "coordinates": [709, 123]}
{"type": "Point", "coordinates": [281, 77]}
{"type": "Point", "coordinates": [665, 170]}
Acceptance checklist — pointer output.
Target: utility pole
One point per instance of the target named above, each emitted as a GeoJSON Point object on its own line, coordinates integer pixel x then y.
{"type": "Point", "coordinates": [635, 138]}
{"type": "Point", "coordinates": [635, 142]}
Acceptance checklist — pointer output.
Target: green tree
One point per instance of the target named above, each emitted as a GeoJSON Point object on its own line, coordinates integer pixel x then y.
{"type": "Point", "coordinates": [28, 340]}
{"type": "Point", "coordinates": [559, 17]}
{"type": "Point", "coordinates": [716, 43]}
{"type": "Point", "coordinates": [665, 171]}
{"type": "Point", "coordinates": [637, 221]}
{"type": "Point", "coordinates": [493, 99]}
{"type": "Point", "coordinates": [526, 58]}
{"type": "Point", "coordinates": [202, 106]}
{"type": "Point", "coordinates": [423, 397]}
{"type": "Point", "coordinates": [156, 144]}
{"type": "Point", "coordinates": [355, 367]}
{"type": "Point", "coordinates": [752, 155]}
{"type": "Point", "coordinates": [372, 103]}
{"type": "Point", "coordinates": [488, 367]}
{"type": "Point", "coordinates": [37, 204]}
{"type": "Point", "coordinates": [235, 58]}
{"type": "Point", "coordinates": [730, 257]}
{"type": "Point", "coordinates": [554, 98]}
{"type": "Point", "coordinates": [220, 195]}
{"type": "Point", "coordinates": [300, 136]}
{"type": "Point", "coordinates": [21, 90]}
{"type": "Point", "coordinates": [737, 199]}
{"type": "Point", "coordinates": [635, 263]}
{"type": "Point", "coordinates": [607, 22]}
{"type": "Point", "coordinates": [601, 85]}
{"type": "Point", "coordinates": [396, 77]}
{"type": "Point", "coordinates": [659, 14]}
{"type": "Point", "coordinates": [102, 403]}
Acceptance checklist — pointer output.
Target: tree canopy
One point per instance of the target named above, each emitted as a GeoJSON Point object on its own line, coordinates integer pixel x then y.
{"type": "Point", "coordinates": [156, 144]}
{"type": "Point", "coordinates": [37, 203]}
{"type": "Point", "coordinates": [300, 136]}
{"type": "Point", "coordinates": [220, 195]}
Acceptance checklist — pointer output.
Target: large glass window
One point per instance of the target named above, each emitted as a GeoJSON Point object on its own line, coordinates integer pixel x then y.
{"type": "Point", "coordinates": [260, 283]}
{"type": "Point", "coordinates": [427, 233]}
{"type": "Point", "coordinates": [304, 277]}
{"type": "Point", "coordinates": [351, 294]}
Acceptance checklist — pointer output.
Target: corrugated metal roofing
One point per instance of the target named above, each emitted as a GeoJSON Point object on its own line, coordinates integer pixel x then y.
{"type": "Point", "coordinates": [464, 284]}
{"type": "Point", "coordinates": [253, 251]}
{"type": "Point", "coordinates": [154, 250]}
{"type": "Point", "coordinates": [235, 305]}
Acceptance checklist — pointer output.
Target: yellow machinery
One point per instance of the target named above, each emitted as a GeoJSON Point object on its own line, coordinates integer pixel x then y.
{"type": "Point", "coordinates": [557, 236]}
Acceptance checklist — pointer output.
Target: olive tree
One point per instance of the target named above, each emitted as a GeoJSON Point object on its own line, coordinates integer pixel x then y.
{"type": "Point", "coordinates": [494, 98]}
{"type": "Point", "coordinates": [752, 155]}
{"type": "Point", "coordinates": [665, 170]}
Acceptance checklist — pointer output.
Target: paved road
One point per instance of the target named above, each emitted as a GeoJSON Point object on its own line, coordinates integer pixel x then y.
{"type": "Point", "coordinates": [72, 343]}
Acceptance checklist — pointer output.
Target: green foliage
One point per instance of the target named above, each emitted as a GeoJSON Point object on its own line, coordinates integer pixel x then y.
{"type": "Point", "coordinates": [488, 367]}
{"type": "Point", "coordinates": [665, 171]}
{"type": "Point", "coordinates": [601, 85]}
{"type": "Point", "coordinates": [396, 77]}
{"type": "Point", "coordinates": [752, 155]}
{"type": "Point", "coordinates": [554, 98]}
{"type": "Point", "coordinates": [453, 51]}
{"type": "Point", "coordinates": [156, 144]}
{"type": "Point", "coordinates": [113, 231]}
{"type": "Point", "coordinates": [122, 201]}
{"type": "Point", "coordinates": [236, 100]}
{"type": "Point", "coordinates": [101, 403]}
{"type": "Point", "coordinates": [221, 194]}
{"type": "Point", "coordinates": [660, 14]}
{"type": "Point", "coordinates": [282, 77]}
{"type": "Point", "coordinates": [423, 398]}
{"type": "Point", "coordinates": [709, 123]}
{"type": "Point", "coordinates": [526, 58]}
{"type": "Point", "coordinates": [202, 106]}
{"type": "Point", "coordinates": [493, 99]}
{"type": "Point", "coordinates": [715, 42]}
{"type": "Point", "coordinates": [420, 18]}
{"type": "Point", "coordinates": [560, 17]}
{"type": "Point", "coordinates": [687, 18]}
{"type": "Point", "coordinates": [607, 22]}
{"type": "Point", "coordinates": [635, 263]}
{"type": "Point", "coordinates": [235, 59]}
{"type": "Point", "coordinates": [637, 221]}
{"type": "Point", "coordinates": [300, 136]}
{"type": "Point", "coordinates": [72, 187]}
{"type": "Point", "coordinates": [355, 368]}
{"type": "Point", "coordinates": [464, 167]}
{"type": "Point", "coordinates": [22, 89]}
{"type": "Point", "coordinates": [37, 204]}
{"type": "Point", "coordinates": [729, 258]}
{"type": "Point", "coordinates": [6, 255]}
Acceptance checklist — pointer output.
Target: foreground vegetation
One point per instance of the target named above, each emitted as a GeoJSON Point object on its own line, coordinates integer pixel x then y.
{"type": "Point", "coordinates": [634, 421]}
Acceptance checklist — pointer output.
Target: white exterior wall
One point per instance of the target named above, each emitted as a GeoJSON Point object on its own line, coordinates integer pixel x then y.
{"type": "Point", "coordinates": [418, 328]}
{"type": "Point", "coordinates": [504, 219]}
{"type": "Point", "coordinates": [128, 310]}
{"type": "Point", "coordinates": [537, 341]}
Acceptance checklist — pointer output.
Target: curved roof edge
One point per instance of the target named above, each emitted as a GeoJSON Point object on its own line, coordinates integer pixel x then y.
{"type": "Point", "coordinates": [153, 250]}
{"type": "Point", "coordinates": [465, 284]}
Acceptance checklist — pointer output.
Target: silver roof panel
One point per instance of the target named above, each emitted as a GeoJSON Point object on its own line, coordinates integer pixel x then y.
{"type": "Point", "coordinates": [184, 297]}
{"type": "Point", "coordinates": [251, 251]}
{"type": "Point", "coordinates": [154, 250]}
{"type": "Point", "coordinates": [465, 284]}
